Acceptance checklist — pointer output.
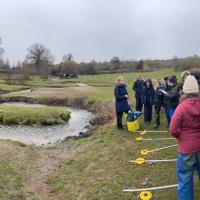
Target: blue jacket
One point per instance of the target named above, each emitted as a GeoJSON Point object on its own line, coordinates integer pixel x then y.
{"type": "Point", "coordinates": [121, 102]}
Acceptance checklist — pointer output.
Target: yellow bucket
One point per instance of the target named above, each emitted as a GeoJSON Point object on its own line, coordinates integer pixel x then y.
{"type": "Point", "coordinates": [133, 126]}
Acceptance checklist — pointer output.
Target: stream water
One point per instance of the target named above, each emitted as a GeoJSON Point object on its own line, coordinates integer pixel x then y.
{"type": "Point", "coordinates": [47, 135]}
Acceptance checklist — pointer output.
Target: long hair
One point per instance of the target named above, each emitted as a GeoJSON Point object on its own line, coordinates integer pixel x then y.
{"type": "Point", "coordinates": [150, 81]}
{"type": "Point", "coordinates": [188, 96]}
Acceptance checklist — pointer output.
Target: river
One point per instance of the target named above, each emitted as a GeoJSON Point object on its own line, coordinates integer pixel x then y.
{"type": "Point", "coordinates": [46, 135]}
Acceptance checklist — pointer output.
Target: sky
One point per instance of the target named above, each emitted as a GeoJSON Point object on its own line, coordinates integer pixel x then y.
{"type": "Point", "coordinates": [100, 29]}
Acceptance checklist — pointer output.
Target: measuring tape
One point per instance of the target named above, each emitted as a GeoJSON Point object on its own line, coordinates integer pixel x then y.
{"type": "Point", "coordinates": [151, 139]}
{"type": "Point", "coordinates": [151, 131]}
{"type": "Point", "coordinates": [145, 152]}
{"type": "Point", "coordinates": [150, 189]}
{"type": "Point", "coordinates": [143, 132]}
{"type": "Point", "coordinates": [145, 195]}
{"type": "Point", "coordinates": [141, 161]}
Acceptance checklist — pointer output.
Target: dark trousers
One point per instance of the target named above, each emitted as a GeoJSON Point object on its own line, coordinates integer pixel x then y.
{"type": "Point", "coordinates": [138, 103]}
{"type": "Point", "coordinates": [157, 115]}
{"type": "Point", "coordinates": [119, 119]}
{"type": "Point", "coordinates": [147, 113]}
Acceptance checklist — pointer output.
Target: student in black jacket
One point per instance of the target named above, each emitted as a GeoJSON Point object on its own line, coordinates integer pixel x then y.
{"type": "Point", "coordinates": [172, 96]}
{"type": "Point", "coordinates": [138, 87]}
{"type": "Point", "coordinates": [158, 102]}
{"type": "Point", "coordinates": [148, 100]}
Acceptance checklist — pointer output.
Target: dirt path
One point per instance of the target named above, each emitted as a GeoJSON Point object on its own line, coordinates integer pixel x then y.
{"type": "Point", "coordinates": [49, 162]}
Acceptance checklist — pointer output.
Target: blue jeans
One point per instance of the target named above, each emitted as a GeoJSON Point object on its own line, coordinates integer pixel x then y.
{"type": "Point", "coordinates": [185, 166]}
{"type": "Point", "coordinates": [170, 112]}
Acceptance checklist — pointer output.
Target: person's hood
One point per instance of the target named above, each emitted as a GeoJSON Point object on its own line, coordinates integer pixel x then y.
{"type": "Point", "coordinates": [150, 82]}
{"type": "Point", "coordinates": [192, 106]}
{"type": "Point", "coordinates": [120, 85]}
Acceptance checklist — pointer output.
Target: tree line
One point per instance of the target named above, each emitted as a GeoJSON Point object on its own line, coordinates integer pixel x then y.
{"type": "Point", "coordinates": [40, 61]}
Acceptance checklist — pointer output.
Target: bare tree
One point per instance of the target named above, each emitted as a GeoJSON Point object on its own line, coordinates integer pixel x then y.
{"type": "Point", "coordinates": [140, 65]}
{"type": "Point", "coordinates": [1, 52]}
{"type": "Point", "coordinates": [116, 62]}
{"type": "Point", "coordinates": [67, 57]}
{"type": "Point", "coordinates": [39, 56]}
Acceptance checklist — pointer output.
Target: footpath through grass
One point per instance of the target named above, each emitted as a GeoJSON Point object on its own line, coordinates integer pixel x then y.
{"type": "Point", "coordinates": [16, 162]}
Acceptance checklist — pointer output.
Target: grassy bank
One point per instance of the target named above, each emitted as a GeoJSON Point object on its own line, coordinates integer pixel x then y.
{"type": "Point", "coordinates": [19, 115]}
{"type": "Point", "coordinates": [103, 170]}
{"type": "Point", "coordinates": [4, 88]}
{"type": "Point", "coordinates": [97, 167]}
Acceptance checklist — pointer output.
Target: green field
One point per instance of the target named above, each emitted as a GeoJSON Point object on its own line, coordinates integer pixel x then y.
{"type": "Point", "coordinates": [92, 168]}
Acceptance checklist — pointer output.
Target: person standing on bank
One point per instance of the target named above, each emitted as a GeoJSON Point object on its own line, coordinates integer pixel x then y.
{"type": "Point", "coordinates": [148, 100]}
{"type": "Point", "coordinates": [165, 87]}
{"type": "Point", "coordinates": [121, 100]}
{"type": "Point", "coordinates": [158, 102]}
{"type": "Point", "coordinates": [172, 96]}
{"type": "Point", "coordinates": [185, 126]}
{"type": "Point", "coordinates": [138, 87]}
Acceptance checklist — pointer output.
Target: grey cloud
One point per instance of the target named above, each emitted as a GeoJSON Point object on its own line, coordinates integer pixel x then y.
{"type": "Point", "coordinates": [100, 29]}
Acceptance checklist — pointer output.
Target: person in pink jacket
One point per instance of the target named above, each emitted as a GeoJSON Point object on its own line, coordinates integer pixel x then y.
{"type": "Point", "coordinates": [185, 126]}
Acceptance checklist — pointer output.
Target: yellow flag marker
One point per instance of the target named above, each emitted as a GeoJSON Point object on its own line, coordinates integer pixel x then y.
{"type": "Point", "coordinates": [139, 161]}
{"type": "Point", "coordinates": [144, 152]}
{"type": "Point", "coordinates": [145, 195]}
{"type": "Point", "coordinates": [139, 138]}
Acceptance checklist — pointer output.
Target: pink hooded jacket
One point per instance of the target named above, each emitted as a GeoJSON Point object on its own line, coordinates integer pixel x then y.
{"type": "Point", "coordinates": [185, 125]}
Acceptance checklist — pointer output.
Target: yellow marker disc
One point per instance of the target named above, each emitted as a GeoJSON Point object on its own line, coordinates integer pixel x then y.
{"type": "Point", "coordinates": [144, 152]}
{"type": "Point", "coordinates": [143, 133]}
{"type": "Point", "coordinates": [138, 138]}
{"type": "Point", "coordinates": [145, 195]}
{"type": "Point", "coordinates": [139, 161]}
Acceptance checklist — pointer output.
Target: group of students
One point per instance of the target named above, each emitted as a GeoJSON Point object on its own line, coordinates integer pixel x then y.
{"type": "Point", "coordinates": [164, 94]}
{"type": "Point", "coordinates": [182, 106]}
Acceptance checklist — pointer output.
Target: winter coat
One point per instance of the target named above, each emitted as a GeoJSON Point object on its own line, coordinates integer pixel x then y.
{"type": "Point", "coordinates": [121, 102]}
{"type": "Point", "coordinates": [148, 96]}
{"type": "Point", "coordinates": [185, 125]}
{"type": "Point", "coordinates": [138, 87]}
{"type": "Point", "coordinates": [165, 87]}
{"type": "Point", "coordinates": [158, 98]}
{"type": "Point", "coordinates": [172, 99]}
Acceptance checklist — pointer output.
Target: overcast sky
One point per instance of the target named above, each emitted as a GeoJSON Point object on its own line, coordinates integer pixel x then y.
{"type": "Point", "coordinates": [101, 29]}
